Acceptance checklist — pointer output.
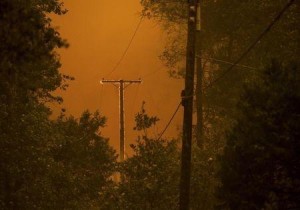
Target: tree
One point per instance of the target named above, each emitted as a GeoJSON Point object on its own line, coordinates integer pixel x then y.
{"type": "Point", "coordinates": [143, 121]}
{"type": "Point", "coordinates": [28, 73]}
{"type": "Point", "coordinates": [260, 166]}
{"type": "Point", "coordinates": [45, 164]}
{"type": "Point", "coordinates": [85, 159]}
{"type": "Point", "coordinates": [203, 179]}
{"type": "Point", "coordinates": [29, 64]}
{"type": "Point", "coordinates": [150, 177]}
{"type": "Point", "coordinates": [25, 163]}
{"type": "Point", "coordinates": [63, 164]}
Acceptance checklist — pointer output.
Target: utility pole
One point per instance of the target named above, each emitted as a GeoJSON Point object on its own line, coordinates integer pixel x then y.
{"type": "Point", "coordinates": [122, 84]}
{"type": "Point", "coordinates": [187, 102]}
{"type": "Point", "coordinates": [199, 73]}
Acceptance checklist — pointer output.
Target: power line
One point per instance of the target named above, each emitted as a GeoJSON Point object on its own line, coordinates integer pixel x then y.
{"type": "Point", "coordinates": [204, 58]}
{"type": "Point", "coordinates": [168, 124]}
{"type": "Point", "coordinates": [127, 48]}
{"type": "Point", "coordinates": [269, 27]}
{"type": "Point", "coordinates": [226, 62]}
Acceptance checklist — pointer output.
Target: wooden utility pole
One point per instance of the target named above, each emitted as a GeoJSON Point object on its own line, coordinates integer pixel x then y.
{"type": "Point", "coordinates": [199, 73]}
{"type": "Point", "coordinates": [122, 84]}
{"type": "Point", "coordinates": [187, 102]}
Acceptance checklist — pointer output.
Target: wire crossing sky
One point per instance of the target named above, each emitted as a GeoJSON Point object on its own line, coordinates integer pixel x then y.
{"type": "Point", "coordinates": [127, 48]}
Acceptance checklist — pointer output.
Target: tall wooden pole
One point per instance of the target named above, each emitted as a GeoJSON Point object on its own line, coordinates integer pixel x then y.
{"type": "Point", "coordinates": [121, 84]}
{"type": "Point", "coordinates": [122, 122]}
{"type": "Point", "coordinates": [187, 102]}
{"type": "Point", "coordinates": [199, 72]}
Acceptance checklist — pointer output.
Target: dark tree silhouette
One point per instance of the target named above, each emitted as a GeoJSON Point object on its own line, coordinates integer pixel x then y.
{"type": "Point", "coordinates": [260, 167]}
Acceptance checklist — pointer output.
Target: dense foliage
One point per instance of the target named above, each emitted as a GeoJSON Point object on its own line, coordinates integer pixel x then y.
{"type": "Point", "coordinates": [260, 166]}
{"type": "Point", "coordinates": [149, 179]}
{"type": "Point", "coordinates": [150, 176]}
{"type": "Point", "coordinates": [85, 161]}
{"type": "Point", "coordinates": [45, 164]}
{"type": "Point", "coordinates": [29, 64]}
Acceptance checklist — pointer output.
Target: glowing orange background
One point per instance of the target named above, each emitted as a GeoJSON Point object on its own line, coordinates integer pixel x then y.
{"type": "Point", "coordinates": [98, 32]}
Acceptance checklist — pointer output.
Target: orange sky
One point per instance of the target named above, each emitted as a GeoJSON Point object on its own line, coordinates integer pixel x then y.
{"type": "Point", "coordinates": [98, 33]}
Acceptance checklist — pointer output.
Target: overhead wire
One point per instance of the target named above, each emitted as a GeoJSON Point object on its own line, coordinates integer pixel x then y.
{"type": "Point", "coordinates": [169, 123]}
{"type": "Point", "coordinates": [127, 48]}
{"type": "Point", "coordinates": [226, 62]}
{"type": "Point", "coordinates": [131, 40]}
{"type": "Point", "coordinates": [204, 58]}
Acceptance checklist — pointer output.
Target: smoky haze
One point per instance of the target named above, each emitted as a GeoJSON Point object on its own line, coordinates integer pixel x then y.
{"type": "Point", "coordinates": [98, 33]}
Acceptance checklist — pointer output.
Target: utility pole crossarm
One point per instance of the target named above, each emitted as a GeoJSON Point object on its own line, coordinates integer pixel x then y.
{"type": "Point", "coordinates": [119, 81]}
